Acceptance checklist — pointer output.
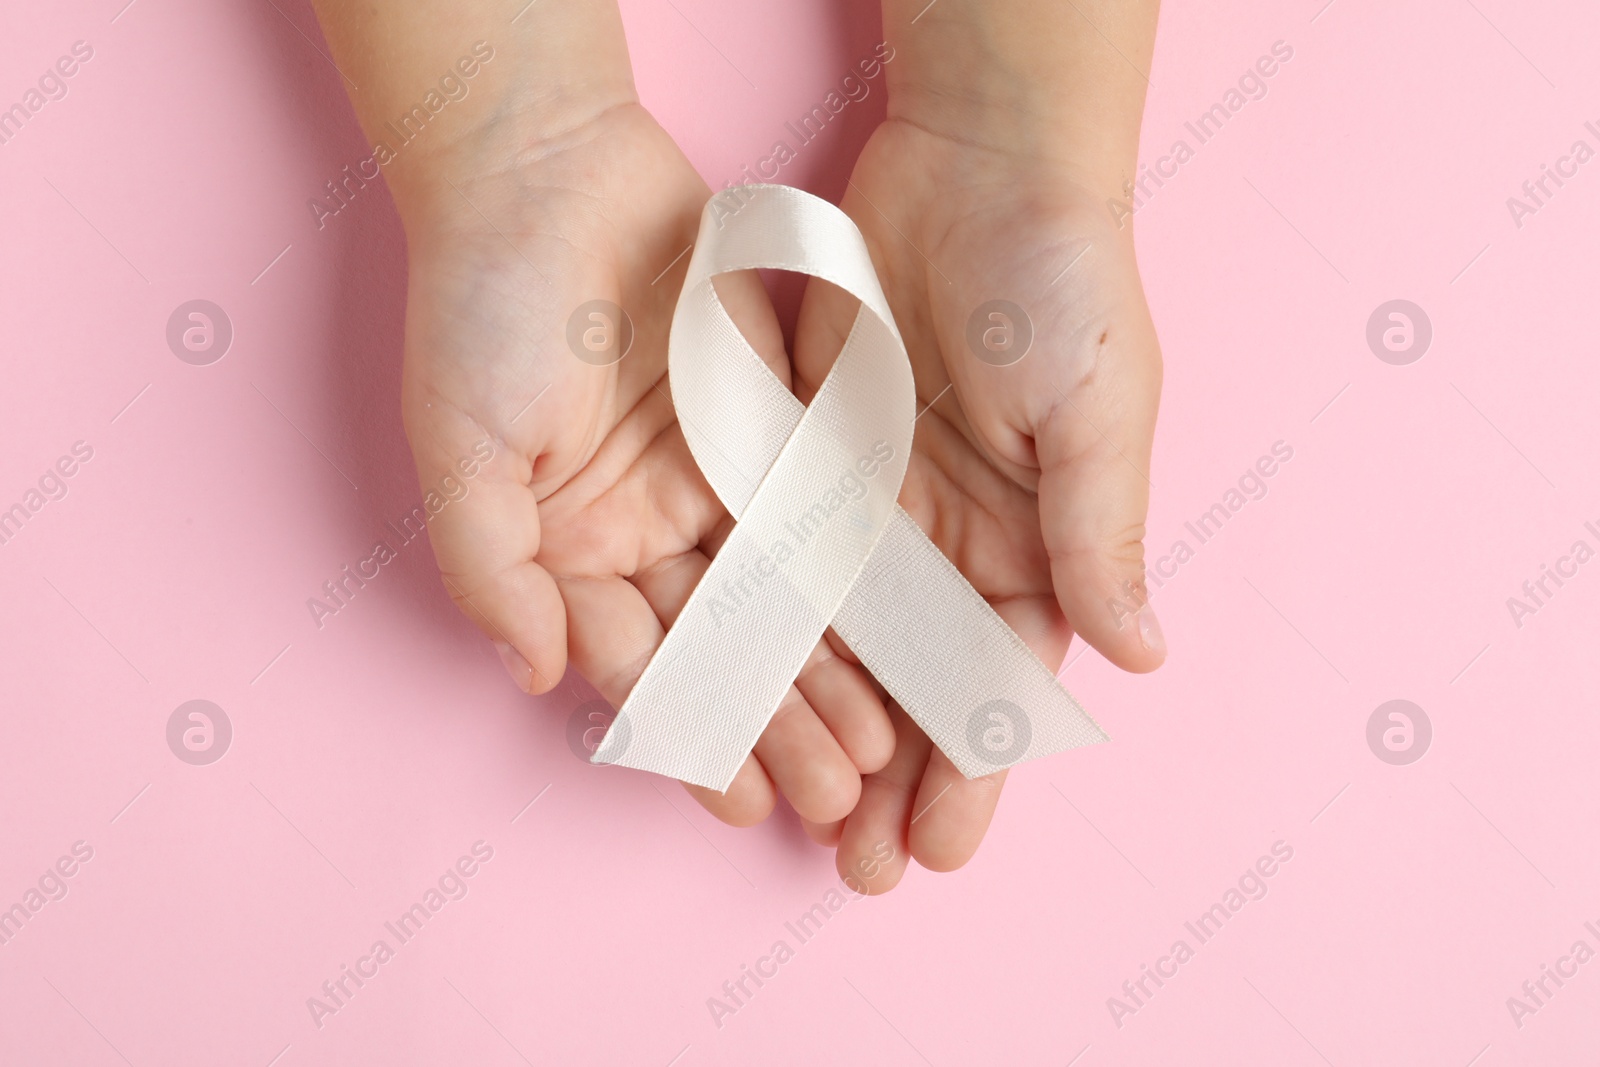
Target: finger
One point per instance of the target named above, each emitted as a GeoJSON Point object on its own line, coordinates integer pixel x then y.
{"type": "Point", "coordinates": [874, 849]}
{"type": "Point", "coordinates": [797, 750]}
{"type": "Point", "coordinates": [844, 698]}
{"type": "Point", "coordinates": [1038, 621]}
{"type": "Point", "coordinates": [750, 798]}
{"type": "Point", "coordinates": [951, 814]}
{"type": "Point", "coordinates": [826, 834]}
{"type": "Point", "coordinates": [613, 631]}
{"type": "Point", "coordinates": [1094, 494]}
{"type": "Point", "coordinates": [483, 523]}
{"type": "Point", "coordinates": [807, 763]}
{"type": "Point", "coordinates": [487, 366]}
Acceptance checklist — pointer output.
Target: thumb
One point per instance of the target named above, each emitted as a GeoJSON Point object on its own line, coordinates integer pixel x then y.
{"type": "Point", "coordinates": [483, 522]}
{"type": "Point", "coordinates": [1094, 447]}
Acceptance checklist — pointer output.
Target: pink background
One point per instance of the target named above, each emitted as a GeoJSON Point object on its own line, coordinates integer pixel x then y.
{"type": "Point", "coordinates": [368, 756]}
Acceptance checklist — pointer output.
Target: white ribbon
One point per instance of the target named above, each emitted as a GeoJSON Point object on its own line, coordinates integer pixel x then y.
{"type": "Point", "coordinates": [820, 540]}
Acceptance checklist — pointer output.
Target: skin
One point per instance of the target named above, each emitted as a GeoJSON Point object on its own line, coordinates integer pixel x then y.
{"type": "Point", "coordinates": [548, 186]}
{"type": "Point", "coordinates": [1008, 129]}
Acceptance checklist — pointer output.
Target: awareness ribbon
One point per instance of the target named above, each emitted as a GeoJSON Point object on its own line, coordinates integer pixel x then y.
{"type": "Point", "coordinates": [819, 540]}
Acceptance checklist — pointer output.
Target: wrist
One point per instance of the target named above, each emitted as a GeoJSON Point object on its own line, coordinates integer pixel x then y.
{"type": "Point", "coordinates": [1035, 80]}
{"type": "Point", "coordinates": [449, 97]}
{"type": "Point", "coordinates": [492, 157]}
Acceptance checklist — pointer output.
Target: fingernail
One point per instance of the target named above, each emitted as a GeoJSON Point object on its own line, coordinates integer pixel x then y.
{"type": "Point", "coordinates": [1150, 631]}
{"type": "Point", "coordinates": [521, 670]}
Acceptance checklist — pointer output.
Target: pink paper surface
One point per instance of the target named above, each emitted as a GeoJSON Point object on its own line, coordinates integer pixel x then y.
{"type": "Point", "coordinates": [370, 755]}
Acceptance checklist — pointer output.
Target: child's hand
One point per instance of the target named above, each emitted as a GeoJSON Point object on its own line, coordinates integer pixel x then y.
{"type": "Point", "coordinates": [1032, 476]}
{"type": "Point", "coordinates": [542, 188]}
{"type": "Point", "coordinates": [586, 533]}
